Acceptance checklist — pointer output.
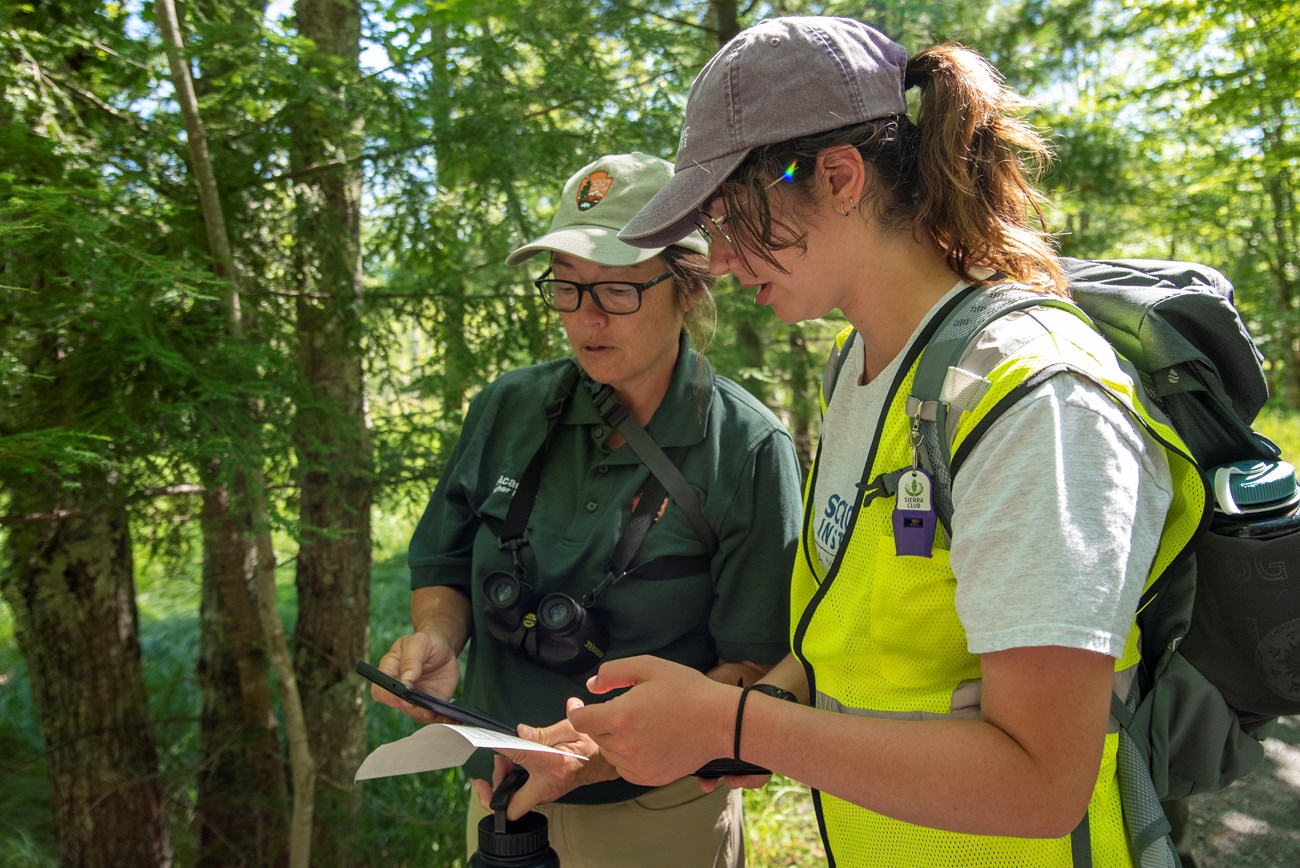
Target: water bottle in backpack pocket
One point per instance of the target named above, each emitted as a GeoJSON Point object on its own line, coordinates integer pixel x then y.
{"type": "Point", "coordinates": [1245, 630]}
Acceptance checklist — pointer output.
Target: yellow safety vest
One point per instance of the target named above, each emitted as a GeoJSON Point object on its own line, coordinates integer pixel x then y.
{"type": "Point", "coordinates": [879, 634]}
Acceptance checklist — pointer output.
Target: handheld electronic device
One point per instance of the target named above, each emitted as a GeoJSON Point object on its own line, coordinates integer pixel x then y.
{"type": "Point", "coordinates": [456, 711]}
{"type": "Point", "coordinates": [727, 766]}
{"type": "Point", "coordinates": [473, 717]}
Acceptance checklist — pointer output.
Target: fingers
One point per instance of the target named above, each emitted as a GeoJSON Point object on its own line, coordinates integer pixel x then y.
{"type": "Point", "coordinates": [589, 719]}
{"type": "Point", "coordinates": [746, 782]}
{"type": "Point", "coordinates": [388, 664]}
{"type": "Point", "coordinates": [422, 661]}
{"type": "Point", "coordinates": [559, 734]}
{"type": "Point", "coordinates": [403, 661]}
{"type": "Point", "coordinates": [413, 653]}
{"type": "Point", "coordinates": [620, 673]}
{"type": "Point", "coordinates": [521, 801]}
{"type": "Point", "coordinates": [420, 715]}
{"type": "Point", "coordinates": [734, 782]}
{"type": "Point", "coordinates": [528, 796]}
{"type": "Point", "coordinates": [412, 657]}
{"type": "Point", "coordinates": [379, 694]}
{"type": "Point", "coordinates": [483, 790]}
{"type": "Point", "coordinates": [501, 766]}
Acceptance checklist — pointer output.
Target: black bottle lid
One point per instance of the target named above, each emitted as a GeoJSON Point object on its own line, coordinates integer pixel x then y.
{"type": "Point", "coordinates": [522, 837]}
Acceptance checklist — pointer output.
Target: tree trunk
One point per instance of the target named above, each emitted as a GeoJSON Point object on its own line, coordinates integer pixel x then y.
{"type": "Point", "coordinates": [804, 398]}
{"type": "Point", "coordinates": [332, 440]}
{"type": "Point", "coordinates": [73, 599]}
{"type": "Point", "coordinates": [242, 790]}
{"type": "Point", "coordinates": [240, 622]}
{"type": "Point", "coordinates": [727, 20]}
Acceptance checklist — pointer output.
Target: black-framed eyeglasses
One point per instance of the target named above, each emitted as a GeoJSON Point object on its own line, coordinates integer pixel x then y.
{"type": "Point", "coordinates": [708, 225]}
{"type": "Point", "coordinates": [617, 297]}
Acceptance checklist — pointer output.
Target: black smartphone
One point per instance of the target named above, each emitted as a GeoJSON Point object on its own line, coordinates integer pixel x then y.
{"type": "Point", "coordinates": [455, 710]}
{"type": "Point", "coordinates": [727, 766]}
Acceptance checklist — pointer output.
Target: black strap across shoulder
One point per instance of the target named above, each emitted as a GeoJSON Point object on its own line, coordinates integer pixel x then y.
{"type": "Point", "coordinates": [661, 468]}
{"type": "Point", "coordinates": [648, 509]}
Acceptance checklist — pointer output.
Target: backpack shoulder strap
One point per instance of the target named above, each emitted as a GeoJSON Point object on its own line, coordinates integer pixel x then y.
{"type": "Point", "coordinates": [939, 383]}
{"type": "Point", "coordinates": [835, 363]}
{"type": "Point", "coordinates": [941, 386]}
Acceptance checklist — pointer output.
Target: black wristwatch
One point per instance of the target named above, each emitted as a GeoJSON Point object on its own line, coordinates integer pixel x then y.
{"type": "Point", "coordinates": [778, 692]}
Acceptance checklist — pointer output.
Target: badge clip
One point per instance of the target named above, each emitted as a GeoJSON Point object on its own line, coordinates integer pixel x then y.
{"type": "Point", "coordinates": [914, 516]}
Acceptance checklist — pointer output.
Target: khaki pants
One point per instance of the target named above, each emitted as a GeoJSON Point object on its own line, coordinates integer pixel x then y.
{"type": "Point", "coordinates": [674, 825]}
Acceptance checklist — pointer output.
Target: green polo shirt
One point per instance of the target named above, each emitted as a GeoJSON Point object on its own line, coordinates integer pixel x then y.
{"type": "Point", "coordinates": [742, 465]}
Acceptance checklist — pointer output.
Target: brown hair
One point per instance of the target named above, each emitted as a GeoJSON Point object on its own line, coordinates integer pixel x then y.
{"type": "Point", "coordinates": [961, 174]}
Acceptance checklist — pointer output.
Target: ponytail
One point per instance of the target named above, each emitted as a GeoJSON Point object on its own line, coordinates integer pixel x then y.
{"type": "Point", "coordinates": [961, 175]}
{"type": "Point", "coordinates": [976, 164]}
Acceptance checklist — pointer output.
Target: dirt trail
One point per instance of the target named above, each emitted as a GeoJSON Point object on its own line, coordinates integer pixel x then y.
{"type": "Point", "coordinates": [1255, 823]}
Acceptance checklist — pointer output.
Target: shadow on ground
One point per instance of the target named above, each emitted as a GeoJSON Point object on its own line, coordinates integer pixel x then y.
{"type": "Point", "coordinates": [1256, 821]}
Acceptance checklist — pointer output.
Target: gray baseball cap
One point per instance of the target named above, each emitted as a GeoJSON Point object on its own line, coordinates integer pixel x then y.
{"type": "Point", "coordinates": [597, 202]}
{"type": "Point", "coordinates": [781, 79]}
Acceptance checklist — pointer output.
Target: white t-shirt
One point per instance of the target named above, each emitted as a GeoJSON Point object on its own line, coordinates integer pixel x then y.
{"type": "Point", "coordinates": [1057, 511]}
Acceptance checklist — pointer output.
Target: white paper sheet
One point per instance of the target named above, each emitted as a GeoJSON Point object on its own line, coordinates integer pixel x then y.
{"type": "Point", "coordinates": [439, 746]}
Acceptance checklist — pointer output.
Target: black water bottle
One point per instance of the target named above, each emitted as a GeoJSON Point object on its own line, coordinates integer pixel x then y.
{"type": "Point", "coordinates": [522, 843]}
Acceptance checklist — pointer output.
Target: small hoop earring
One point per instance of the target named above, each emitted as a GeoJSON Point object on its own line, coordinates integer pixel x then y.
{"type": "Point", "coordinates": [844, 211]}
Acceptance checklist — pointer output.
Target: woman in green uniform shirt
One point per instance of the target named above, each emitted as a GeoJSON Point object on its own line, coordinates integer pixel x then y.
{"type": "Point", "coordinates": [537, 499]}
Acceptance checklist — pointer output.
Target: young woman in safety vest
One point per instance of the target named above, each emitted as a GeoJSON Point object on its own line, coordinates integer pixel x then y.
{"type": "Point", "coordinates": [952, 694]}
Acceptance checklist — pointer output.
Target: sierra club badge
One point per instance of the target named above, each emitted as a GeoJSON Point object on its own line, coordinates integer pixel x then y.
{"type": "Point", "coordinates": [914, 515]}
{"type": "Point", "coordinates": [592, 189]}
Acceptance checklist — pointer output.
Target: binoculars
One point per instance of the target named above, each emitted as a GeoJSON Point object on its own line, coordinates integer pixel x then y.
{"type": "Point", "coordinates": [556, 631]}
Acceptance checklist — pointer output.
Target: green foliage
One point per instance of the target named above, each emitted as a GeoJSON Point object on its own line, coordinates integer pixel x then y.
{"type": "Point", "coordinates": [409, 819]}
{"type": "Point", "coordinates": [476, 125]}
{"type": "Point", "coordinates": [781, 826]}
{"type": "Point", "coordinates": [1177, 132]}
{"type": "Point", "coordinates": [1174, 122]}
{"type": "Point", "coordinates": [115, 350]}
{"type": "Point", "coordinates": [26, 825]}
{"type": "Point", "coordinates": [1282, 426]}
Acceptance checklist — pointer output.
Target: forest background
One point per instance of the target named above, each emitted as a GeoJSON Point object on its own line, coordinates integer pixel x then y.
{"type": "Point", "coordinates": [251, 272]}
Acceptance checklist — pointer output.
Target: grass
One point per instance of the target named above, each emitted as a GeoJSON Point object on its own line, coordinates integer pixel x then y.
{"type": "Point", "coordinates": [781, 827]}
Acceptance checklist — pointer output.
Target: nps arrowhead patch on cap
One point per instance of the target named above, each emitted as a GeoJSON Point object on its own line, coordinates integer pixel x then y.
{"type": "Point", "coordinates": [592, 189]}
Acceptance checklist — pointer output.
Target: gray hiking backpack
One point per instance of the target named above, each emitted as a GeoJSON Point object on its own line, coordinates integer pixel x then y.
{"type": "Point", "coordinates": [1221, 626]}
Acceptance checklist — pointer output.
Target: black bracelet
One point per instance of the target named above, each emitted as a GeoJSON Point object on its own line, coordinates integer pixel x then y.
{"type": "Point", "coordinates": [740, 712]}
